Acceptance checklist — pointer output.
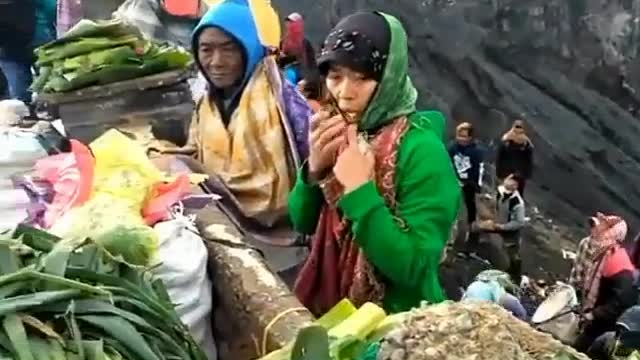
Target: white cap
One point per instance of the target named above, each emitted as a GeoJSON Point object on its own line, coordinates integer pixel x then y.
{"type": "Point", "coordinates": [294, 17]}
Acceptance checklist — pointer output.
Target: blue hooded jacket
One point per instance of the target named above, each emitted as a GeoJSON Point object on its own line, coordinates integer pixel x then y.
{"type": "Point", "coordinates": [236, 19]}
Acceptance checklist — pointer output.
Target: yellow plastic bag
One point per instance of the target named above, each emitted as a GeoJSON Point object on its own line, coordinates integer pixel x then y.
{"type": "Point", "coordinates": [123, 168]}
{"type": "Point", "coordinates": [266, 19]}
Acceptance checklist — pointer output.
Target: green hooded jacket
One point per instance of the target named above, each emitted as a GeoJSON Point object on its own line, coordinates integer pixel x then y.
{"type": "Point", "coordinates": [427, 192]}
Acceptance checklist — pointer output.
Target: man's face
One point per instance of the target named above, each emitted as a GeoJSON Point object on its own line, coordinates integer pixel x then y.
{"type": "Point", "coordinates": [221, 58]}
{"type": "Point", "coordinates": [519, 130]}
{"type": "Point", "coordinates": [510, 185]}
{"type": "Point", "coordinates": [518, 127]}
{"type": "Point", "coordinates": [463, 137]}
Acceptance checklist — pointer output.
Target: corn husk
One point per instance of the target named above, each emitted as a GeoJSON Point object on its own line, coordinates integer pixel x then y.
{"type": "Point", "coordinates": [100, 53]}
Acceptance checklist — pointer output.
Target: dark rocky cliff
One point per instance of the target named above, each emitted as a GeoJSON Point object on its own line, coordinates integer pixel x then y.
{"type": "Point", "coordinates": [568, 67]}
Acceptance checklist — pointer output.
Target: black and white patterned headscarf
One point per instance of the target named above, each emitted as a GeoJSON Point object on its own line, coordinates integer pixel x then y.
{"type": "Point", "coordinates": [360, 42]}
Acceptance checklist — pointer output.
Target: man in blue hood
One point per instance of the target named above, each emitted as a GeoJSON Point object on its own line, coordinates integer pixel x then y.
{"type": "Point", "coordinates": [250, 128]}
{"type": "Point", "coordinates": [228, 49]}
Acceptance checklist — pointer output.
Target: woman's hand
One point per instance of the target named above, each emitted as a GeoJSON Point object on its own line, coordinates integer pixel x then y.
{"type": "Point", "coordinates": [325, 137]}
{"type": "Point", "coordinates": [354, 167]}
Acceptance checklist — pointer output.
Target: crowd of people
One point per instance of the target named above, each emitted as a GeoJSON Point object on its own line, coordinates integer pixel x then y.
{"type": "Point", "coordinates": [331, 143]}
{"type": "Point", "coordinates": [376, 190]}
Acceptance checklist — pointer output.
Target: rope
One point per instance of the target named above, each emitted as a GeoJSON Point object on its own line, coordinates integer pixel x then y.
{"type": "Point", "coordinates": [271, 323]}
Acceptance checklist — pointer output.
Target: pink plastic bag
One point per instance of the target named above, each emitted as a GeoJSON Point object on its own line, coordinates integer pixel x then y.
{"type": "Point", "coordinates": [71, 175]}
{"type": "Point", "coordinates": [164, 196]}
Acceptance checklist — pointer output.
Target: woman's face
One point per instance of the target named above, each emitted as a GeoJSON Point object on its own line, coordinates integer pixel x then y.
{"type": "Point", "coordinates": [352, 90]}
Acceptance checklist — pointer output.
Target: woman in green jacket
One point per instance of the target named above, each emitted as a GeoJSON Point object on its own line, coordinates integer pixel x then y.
{"type": "Point", "coordinates": [378, 192]}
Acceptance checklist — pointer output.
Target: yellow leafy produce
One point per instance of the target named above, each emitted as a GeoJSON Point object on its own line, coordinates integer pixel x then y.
{"type": "Point", "coordinates": [345, 325]}
{"type": "Point", "coordinates": [123, 179]}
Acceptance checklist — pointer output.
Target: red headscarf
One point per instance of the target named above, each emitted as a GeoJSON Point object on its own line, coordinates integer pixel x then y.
{"type": "Point", "coordinates": [607, 234]}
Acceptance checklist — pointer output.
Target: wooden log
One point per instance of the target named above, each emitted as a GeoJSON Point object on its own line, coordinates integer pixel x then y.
{"type": "Point", "coordinates": [248, 296]}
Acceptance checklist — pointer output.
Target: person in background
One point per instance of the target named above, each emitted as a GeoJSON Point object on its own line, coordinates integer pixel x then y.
{"type": "Point", "coordinates": [379, 193]}
{"type": "Point", "coordinates": [515, 155]}
{"type": "Point", "coordinates": [250, 128]}
{"type": "Point", "coordinates": [17, 31]}
{"type": "Point", "coordinates": [313, 91]}
{"type": "Point", "coordinates": [603, 276]}
{"type": "Point", "coordinates": [46, 22]}
{"type": "Point", "coordinates": [633, 249]}
{"type": "Point", "coordinates": [297, 57]}
{"type": "Point", "coordinates": [621, 343]}
{"type": "Point", "coordinates": [496, 286]}
{"type": "Point", "coordinates": [69, 13]}
{"type": "Point", "coordinates": [508, 223]}
{"type": "Point", "coordinates": [467, 157]}
{"type": "Point", "coordinates": [510, 219]}
{"type": "Point", "coordinates": [32, 23]}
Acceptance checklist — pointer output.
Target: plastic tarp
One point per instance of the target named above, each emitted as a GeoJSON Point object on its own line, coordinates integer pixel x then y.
{"type": "Point", "coordinates": [150, 19]}
{"type": "Point", "coordinates": [21, 150]}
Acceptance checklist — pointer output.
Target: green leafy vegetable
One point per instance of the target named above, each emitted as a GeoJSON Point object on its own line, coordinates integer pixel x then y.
{"type": "Point", "coordinates": [77, 302]}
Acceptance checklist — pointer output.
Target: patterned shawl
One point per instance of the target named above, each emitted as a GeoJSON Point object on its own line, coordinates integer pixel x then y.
{"type": "Point", "coordinates": [337, 268]}
{"type": "Point", "coordinates": [607, 233]}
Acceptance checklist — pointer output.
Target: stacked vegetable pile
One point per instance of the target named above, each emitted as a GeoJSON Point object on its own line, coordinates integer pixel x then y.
{"type": "Point", "coordinates": [101, 53]}
{"type": "Point", "coordinates": [64, 299]}
{"type": "Point", "coordinates": [447, 331]}
{"type": "Point", "coordinates": [470, 330]}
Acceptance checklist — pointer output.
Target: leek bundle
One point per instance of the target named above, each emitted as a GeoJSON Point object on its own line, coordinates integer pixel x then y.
{"type": "Point", "coordinates": [102, 53]}
{"type": "Point", "coordinates": [344, 333]}
{"type": "Point", "coordinates": [63, 299]}
{"type": "Point", "coordinates": [82, 46]}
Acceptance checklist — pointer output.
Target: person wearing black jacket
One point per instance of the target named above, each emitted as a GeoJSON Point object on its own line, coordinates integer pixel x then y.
{"type": "Point", "coordinates": [468, 157]}
{"type": "Point", "coordinates": [515, 155]}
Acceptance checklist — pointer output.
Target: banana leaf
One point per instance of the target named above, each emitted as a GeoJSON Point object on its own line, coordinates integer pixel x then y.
{"type": "Point", "coordinates": [39, 348]}
{"type": "Point", "coordinates": [83, 46]}
{"type": "Point", "coordinates": [56, 83]}
{"type": "Point", "coordinates": [121, 330]}
{"type": "Point", "coordinates": [5, 343]}
{"type": "Point", "coordinates": [87, 28]}
{"type": "Point", "coordinates": [109, 74]}
{"type": "Point", "coordinates": [94, 350]}
{"type": "Point", "coordinates": [41, 79]}
{"type": "Point", "coordinates": [56, 350]}
{"type": "Point", "coordinates": [159, 329]}
{"type": "Point", "coordinates": [87, 320]}
{"type": "Point", "coordinates": [17, 334]}
{"type": "Point", "coordinates": [89, 62]}
{"type": "Point", "coordinates": [9, 260]}
{"type": "Point", "coordinates": [55, 262]}
{"type": "Point", "coordinates": [12, 289]}
{"type": "Point", "coordinates": [312, 343]}
{"type": "Point", "coordinates": [35, 238]}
